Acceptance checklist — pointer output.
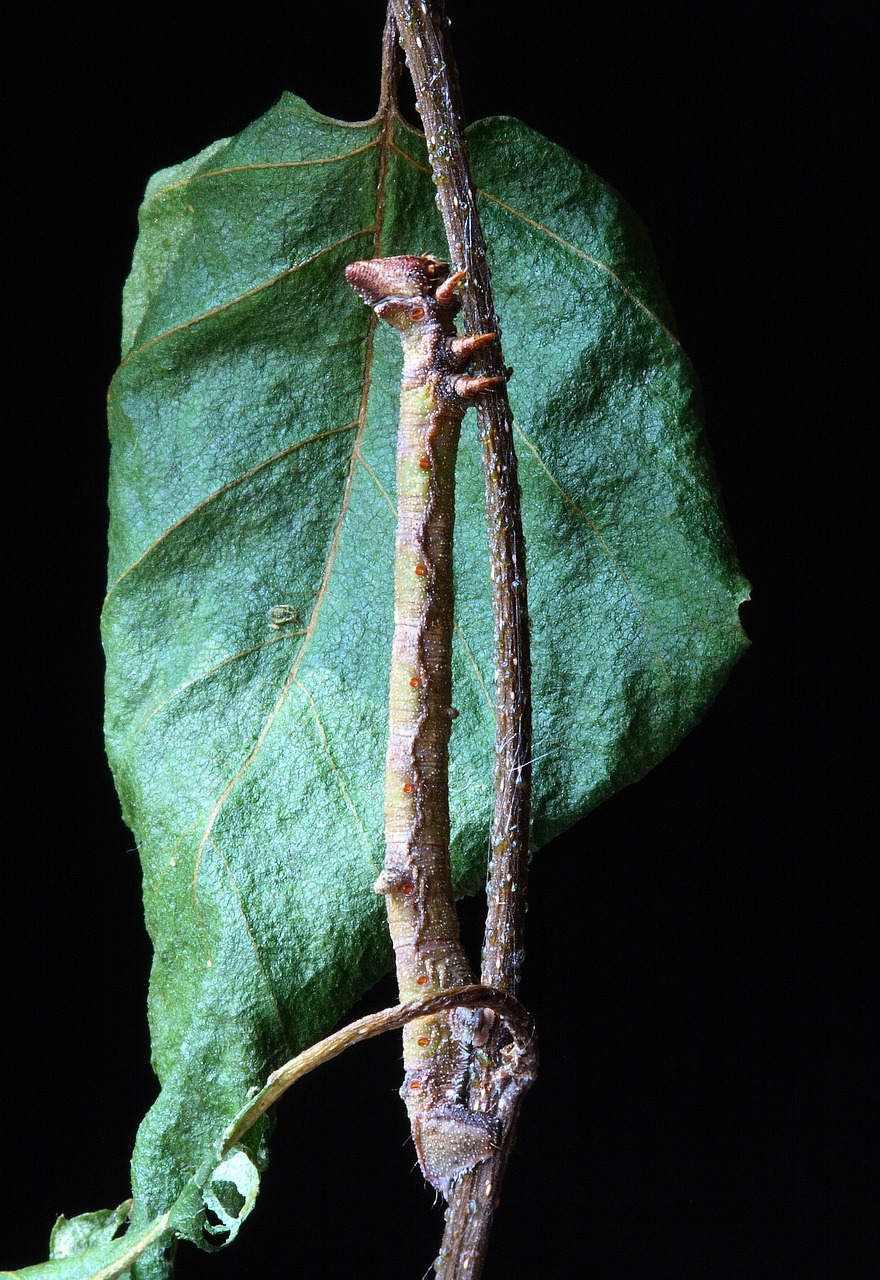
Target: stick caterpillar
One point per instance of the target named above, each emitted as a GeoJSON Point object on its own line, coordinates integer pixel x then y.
{"type": "Point", "coordinates": [417, 297]}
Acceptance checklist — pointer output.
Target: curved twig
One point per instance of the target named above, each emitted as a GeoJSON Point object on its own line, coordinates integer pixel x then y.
{"type": "Point", "coordinates": [472, 996]}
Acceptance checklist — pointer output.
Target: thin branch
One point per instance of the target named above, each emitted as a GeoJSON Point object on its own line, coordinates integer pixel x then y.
{"type": "Point", "coordinates": [424, 35]}
{"type": "Point", "coordinates": [431, 64]}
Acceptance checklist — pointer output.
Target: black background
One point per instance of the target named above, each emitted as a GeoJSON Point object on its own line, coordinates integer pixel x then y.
{"type": "Point", "coordinates": [698, 1111]}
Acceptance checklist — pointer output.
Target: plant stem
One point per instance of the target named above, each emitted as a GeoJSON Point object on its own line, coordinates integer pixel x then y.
{"type": "Point", "coordinates": [430, 61]}
{"type": "Point", "coordinates": [423, 33]}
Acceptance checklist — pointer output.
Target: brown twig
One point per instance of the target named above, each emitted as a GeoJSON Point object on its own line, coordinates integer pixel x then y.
{"type": "Point", "coordinates": [424, 35]}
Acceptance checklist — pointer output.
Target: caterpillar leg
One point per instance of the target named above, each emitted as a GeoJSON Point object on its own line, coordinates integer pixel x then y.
{"type": "Point", "coordinates": [465, 346]}
{"type": "Point", "coordinates": [470, 388]}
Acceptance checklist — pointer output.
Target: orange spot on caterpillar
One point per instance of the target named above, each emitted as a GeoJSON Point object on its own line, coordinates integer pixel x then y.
{"type": "Point", "coordinates": [407, 888]}
{"type": "Point", "coordinates": [425, 464]}
{"type": "Point", "coordinates": [424, 1040]}
{"type": "Point", "coordinates": [415, 1084]}
{"type": "Point", "coordinates": [418, 313]}
{"type": "Point", "coordinates": [408, 788]}
{"type": "Point", "coordinates": [420, 571]}
{"type": "Point", "coordinates": [414, 683]}
{"type": "Point", "coordinates": [421, 979]}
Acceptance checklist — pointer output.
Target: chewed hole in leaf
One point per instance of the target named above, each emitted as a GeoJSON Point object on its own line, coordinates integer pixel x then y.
{"type": "Point", "coordinates": [215, 1230]}
{"type": "Point", "coordinates": [230, 1197]}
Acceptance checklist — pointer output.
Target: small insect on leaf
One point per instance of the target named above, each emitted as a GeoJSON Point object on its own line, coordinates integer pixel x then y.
{"type": "Point", "coordinates": [280, 615]}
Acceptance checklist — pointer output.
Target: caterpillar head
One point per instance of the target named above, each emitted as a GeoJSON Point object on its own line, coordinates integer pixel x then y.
{"type": "Point", "coordinates": [402, 277]}
{"type": "Point", "coordinates": [404, 290]}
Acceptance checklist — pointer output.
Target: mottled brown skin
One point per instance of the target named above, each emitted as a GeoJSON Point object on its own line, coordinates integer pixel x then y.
{"type": "Point", "coordinates": [416, 295]}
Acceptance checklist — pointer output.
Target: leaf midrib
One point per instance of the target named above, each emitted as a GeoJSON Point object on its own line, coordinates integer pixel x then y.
{"type": "Point", "coordinates": [386, 120]}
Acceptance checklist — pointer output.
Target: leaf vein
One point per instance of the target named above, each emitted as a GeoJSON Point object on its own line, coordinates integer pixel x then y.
{"type": "Point", "coordinates": [337, 773]}
{"type": "Point", "coordinates": [379, 485]}
{"type": "Point", "coordinates": [241, 297]}
{"type": "Point", "coordinates": [406, 156]}
{"type": "Point", "coordinates": [476, 666]}
{"type": "Point", "coordinates": [172, 857]}
{"type": "Point", "coordinates": [139, 1247]}
{"type": "Point", "coordinates": [269, 164]}
{"type": "Point", "coordinates": [218, 493]}
{"type": "Point", "coordinates": [581, 253]}
{"type": "Point", "coordinates": [203, 675]}
{"type": "Point", "coordinates": [268, 985]}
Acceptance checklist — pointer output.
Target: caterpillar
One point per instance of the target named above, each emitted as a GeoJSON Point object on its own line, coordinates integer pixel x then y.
{"type": "Point", "coordinates": [417, 297]}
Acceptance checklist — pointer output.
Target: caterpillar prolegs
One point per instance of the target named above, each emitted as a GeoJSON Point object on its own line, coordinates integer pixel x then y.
{"type": "Point", "coordinates": [416, 295]}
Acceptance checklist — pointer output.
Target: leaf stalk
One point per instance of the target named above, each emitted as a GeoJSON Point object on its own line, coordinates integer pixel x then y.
{"type": "Point", "coordinates": [472, 996]}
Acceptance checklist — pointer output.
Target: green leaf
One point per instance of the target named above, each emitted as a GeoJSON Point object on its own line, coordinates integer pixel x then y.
{"type": "Point", "coordinates": [253, 424]}
{"type": "Point", "coordinates": [84, 1248]}
{"type": "Point", "coordinates": [89, 1247]}
{"type": "Point", "coordinates": [71, 1236]}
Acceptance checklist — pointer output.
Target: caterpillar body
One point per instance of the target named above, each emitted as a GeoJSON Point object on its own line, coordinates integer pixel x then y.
{"type": "Point", "coordinates": [417, 297]}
